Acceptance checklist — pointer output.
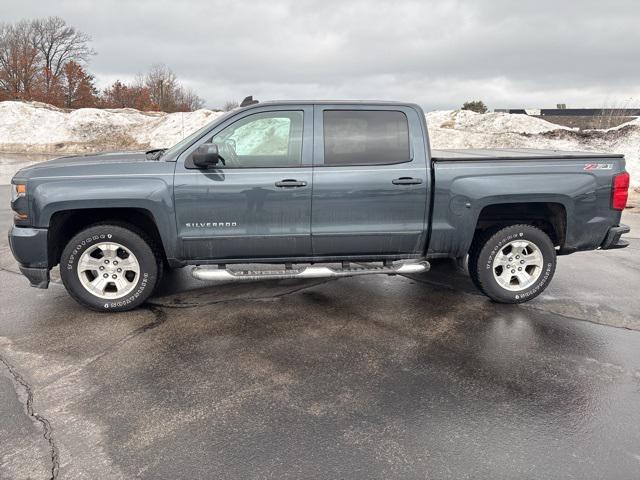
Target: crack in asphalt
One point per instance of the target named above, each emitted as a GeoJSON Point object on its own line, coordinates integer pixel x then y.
{"type": "Point", "coordinates": [579, 319]}
{"type": "Point", "coordinates": [243, 299]}
{"type": "Point", "coordinates": [6, 270]}
{"type": "Point", "coordinates": [521, 305]}
{"type": "Point", "coordinates": [419, 280]}
{"type": "Point", "coordinates": [46, 425]}
{"type": "Point", "coordinates": [3, 269]}
{"type": "Point", "coordinates": [434, 283]}
{"type": "Point", "coordinates": [159, 317]}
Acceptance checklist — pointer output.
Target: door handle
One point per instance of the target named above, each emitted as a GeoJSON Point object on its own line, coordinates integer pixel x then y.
{"type": "Point", "coordinates": [406, 181]}
{"type": "Point", "coordinates": [290, 183]}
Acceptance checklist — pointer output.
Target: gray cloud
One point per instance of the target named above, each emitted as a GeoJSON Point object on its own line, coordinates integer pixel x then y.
{"type": "Point", "coordinates": [437, 53]}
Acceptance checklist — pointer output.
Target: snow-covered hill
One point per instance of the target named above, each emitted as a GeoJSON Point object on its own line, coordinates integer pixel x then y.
{"type": "Point", "coordinates": [40, 128]}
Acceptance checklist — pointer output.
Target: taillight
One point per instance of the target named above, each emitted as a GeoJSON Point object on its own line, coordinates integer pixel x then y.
{"type": "Point", "coordinates": [620, 191]}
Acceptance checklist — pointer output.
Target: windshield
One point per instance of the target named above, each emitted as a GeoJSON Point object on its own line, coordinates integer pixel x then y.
{"type": "Point", "coordinates": [186, 141]}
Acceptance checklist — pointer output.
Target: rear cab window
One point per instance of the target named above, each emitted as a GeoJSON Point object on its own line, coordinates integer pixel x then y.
{"type": "Point", "coordinates": [365, 137]}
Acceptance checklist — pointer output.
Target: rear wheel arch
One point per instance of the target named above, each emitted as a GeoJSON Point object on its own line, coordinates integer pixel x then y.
{"type": "Point", "coordinates": [550, 217]}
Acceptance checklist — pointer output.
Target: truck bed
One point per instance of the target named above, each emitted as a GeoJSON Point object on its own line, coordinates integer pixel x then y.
{"type": "Point", "coordinates": [469, 183]}
{"type": "Point", "coordinates": [449, 155]}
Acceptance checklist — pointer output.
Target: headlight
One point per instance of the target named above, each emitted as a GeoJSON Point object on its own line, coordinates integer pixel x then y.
{"type": "Point", "coordinates": [18, 190]}
{"type": "Point", "coordinates": [19, 202]}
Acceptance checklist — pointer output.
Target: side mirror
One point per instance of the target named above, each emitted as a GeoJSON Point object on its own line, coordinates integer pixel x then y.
{"type": "Point", "coordinates": [206, 155]}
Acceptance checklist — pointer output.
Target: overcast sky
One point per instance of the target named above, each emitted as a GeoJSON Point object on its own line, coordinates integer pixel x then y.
{"type": "Point", "coordinates": [440, 53]}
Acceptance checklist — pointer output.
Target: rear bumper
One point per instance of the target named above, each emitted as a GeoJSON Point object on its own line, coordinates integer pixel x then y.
{"type": "Point", "coordinates": [29, 247]}
{"type": "Point", "coordinates": [613, 240]}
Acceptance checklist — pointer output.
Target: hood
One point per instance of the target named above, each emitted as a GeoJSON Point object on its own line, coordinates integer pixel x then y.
{"type": "Point", "coordinates": [113, 162]}
{"type": "Point", "coordinates": [111, 157]}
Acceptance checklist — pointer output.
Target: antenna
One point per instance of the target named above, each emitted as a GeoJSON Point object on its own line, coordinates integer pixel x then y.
{"type": "Point", "coordinates": [248, 101]}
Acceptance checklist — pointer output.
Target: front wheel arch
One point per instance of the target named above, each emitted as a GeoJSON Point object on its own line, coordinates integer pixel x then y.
{"type": "Point", "coordinates": [65, 224]}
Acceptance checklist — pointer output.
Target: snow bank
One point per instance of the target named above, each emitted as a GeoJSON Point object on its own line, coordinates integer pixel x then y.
{"type": "Point", "coordinates": [171, 128]}
{"type": "Point", "coordinates": [489, 123]}
{"type": "Point", "coordinates": [39, 128]}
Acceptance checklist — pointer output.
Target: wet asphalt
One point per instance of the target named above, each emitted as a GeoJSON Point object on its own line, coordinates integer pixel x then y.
{"type": "Point", "coordinates": [366, 377]}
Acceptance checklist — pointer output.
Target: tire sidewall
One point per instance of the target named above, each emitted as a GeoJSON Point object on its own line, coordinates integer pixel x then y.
{"type": "Point", "coordinates": [496, 243]}
{"type": "Point", "coordinates": [107, 233]}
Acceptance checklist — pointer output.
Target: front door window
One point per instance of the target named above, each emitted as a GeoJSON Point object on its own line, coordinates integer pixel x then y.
{"type": "Point", "coordinates": [271, 139]}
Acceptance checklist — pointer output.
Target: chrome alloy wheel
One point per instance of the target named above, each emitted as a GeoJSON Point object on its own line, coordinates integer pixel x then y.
{"type": "Point", "coordinates": [108, 270]}
{"type": "Point", "coordinates": [517, 265]}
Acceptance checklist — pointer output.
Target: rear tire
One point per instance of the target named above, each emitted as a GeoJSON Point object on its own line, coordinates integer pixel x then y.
{"type": "Point", "coordinates": [513, 264]}
{"type": "Point", "coordinates": [110, 268]}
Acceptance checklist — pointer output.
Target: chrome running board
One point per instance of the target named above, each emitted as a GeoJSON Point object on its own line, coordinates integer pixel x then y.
{"type": "Point", "coordinates": [218, 274]}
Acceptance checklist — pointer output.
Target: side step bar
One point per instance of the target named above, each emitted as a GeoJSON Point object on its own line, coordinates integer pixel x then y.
{"type": "Point", "coordinates": [216, 274]}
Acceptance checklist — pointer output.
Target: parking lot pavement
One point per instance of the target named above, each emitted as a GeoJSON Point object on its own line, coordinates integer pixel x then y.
{"type": "Point", "coordinates": [365, 377]}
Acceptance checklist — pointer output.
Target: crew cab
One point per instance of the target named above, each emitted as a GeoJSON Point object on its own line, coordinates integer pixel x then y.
{"type": "Point", "coordinates": [311, 189]}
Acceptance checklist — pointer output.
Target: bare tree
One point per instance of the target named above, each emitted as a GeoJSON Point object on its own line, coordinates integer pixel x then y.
{"type": "Point", "coordinates": [187, 100]}
{"type": "Point", "coordinates": [167, 93]}
{"type": "Point", "coordinates": [58, 43]}
{"type": "Point", "coordinates": [156, 90]}
{"type": "Point", "coordinates": [162, 84]}
{"type": "Point", "coordinates": [230, 105]}
{"type": "Point", "coordinates": [19, 60]}
{"type": "Point", "coordinates": [121, 95]}
{"type": "Point", "coordinates": [44, 59]}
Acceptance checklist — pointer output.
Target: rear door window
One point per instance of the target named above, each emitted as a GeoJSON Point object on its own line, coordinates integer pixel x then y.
{"type": "Point", "coordinates": [365, 137]}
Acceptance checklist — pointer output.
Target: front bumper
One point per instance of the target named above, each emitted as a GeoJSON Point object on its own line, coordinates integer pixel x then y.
{"type": "Point", "coordinates": [29, 247]}
{"type": "Point", "coordinates": [38, 277]}
{"type": "Point", "coordinates": [613, 240]}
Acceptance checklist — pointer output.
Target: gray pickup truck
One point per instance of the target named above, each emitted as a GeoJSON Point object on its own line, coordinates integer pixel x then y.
{"type": "Point", "coordinates": [307, 190]}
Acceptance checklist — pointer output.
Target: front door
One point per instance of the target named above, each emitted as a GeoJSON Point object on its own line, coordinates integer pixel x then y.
{"type": "Point", "coordinates": [370, 181]}
{"type": "Point", "coordinates": [256, 205]}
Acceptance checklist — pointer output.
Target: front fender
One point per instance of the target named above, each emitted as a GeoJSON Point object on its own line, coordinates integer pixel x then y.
{"type": "Point", "coordinates": [155, 195]}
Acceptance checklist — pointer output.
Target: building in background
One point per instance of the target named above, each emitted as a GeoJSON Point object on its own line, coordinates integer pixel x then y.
{"type": "Point", "coordinates": [582, 118]}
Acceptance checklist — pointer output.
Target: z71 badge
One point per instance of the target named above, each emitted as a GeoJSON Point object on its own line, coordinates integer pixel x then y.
{"type": "Point", "coordinates": [598, 166]}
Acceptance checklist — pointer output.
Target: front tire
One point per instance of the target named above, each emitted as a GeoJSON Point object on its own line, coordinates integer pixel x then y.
{"type": "Point", "coordinates": [110, 268]}
{"type": "Point", "coordinates": [514, 264]}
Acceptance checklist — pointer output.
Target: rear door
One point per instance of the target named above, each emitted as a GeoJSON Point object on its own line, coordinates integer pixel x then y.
{"type": "Point", "coordinates": [369, 181]}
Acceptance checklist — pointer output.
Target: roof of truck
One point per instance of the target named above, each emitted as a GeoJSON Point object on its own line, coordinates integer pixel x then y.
{"type": "Point", "coordinates": [447, 155]}
{"type": "Point", "coordinates": [355, 103]}
{"type": "Point", "coordinates": [332, 102]}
